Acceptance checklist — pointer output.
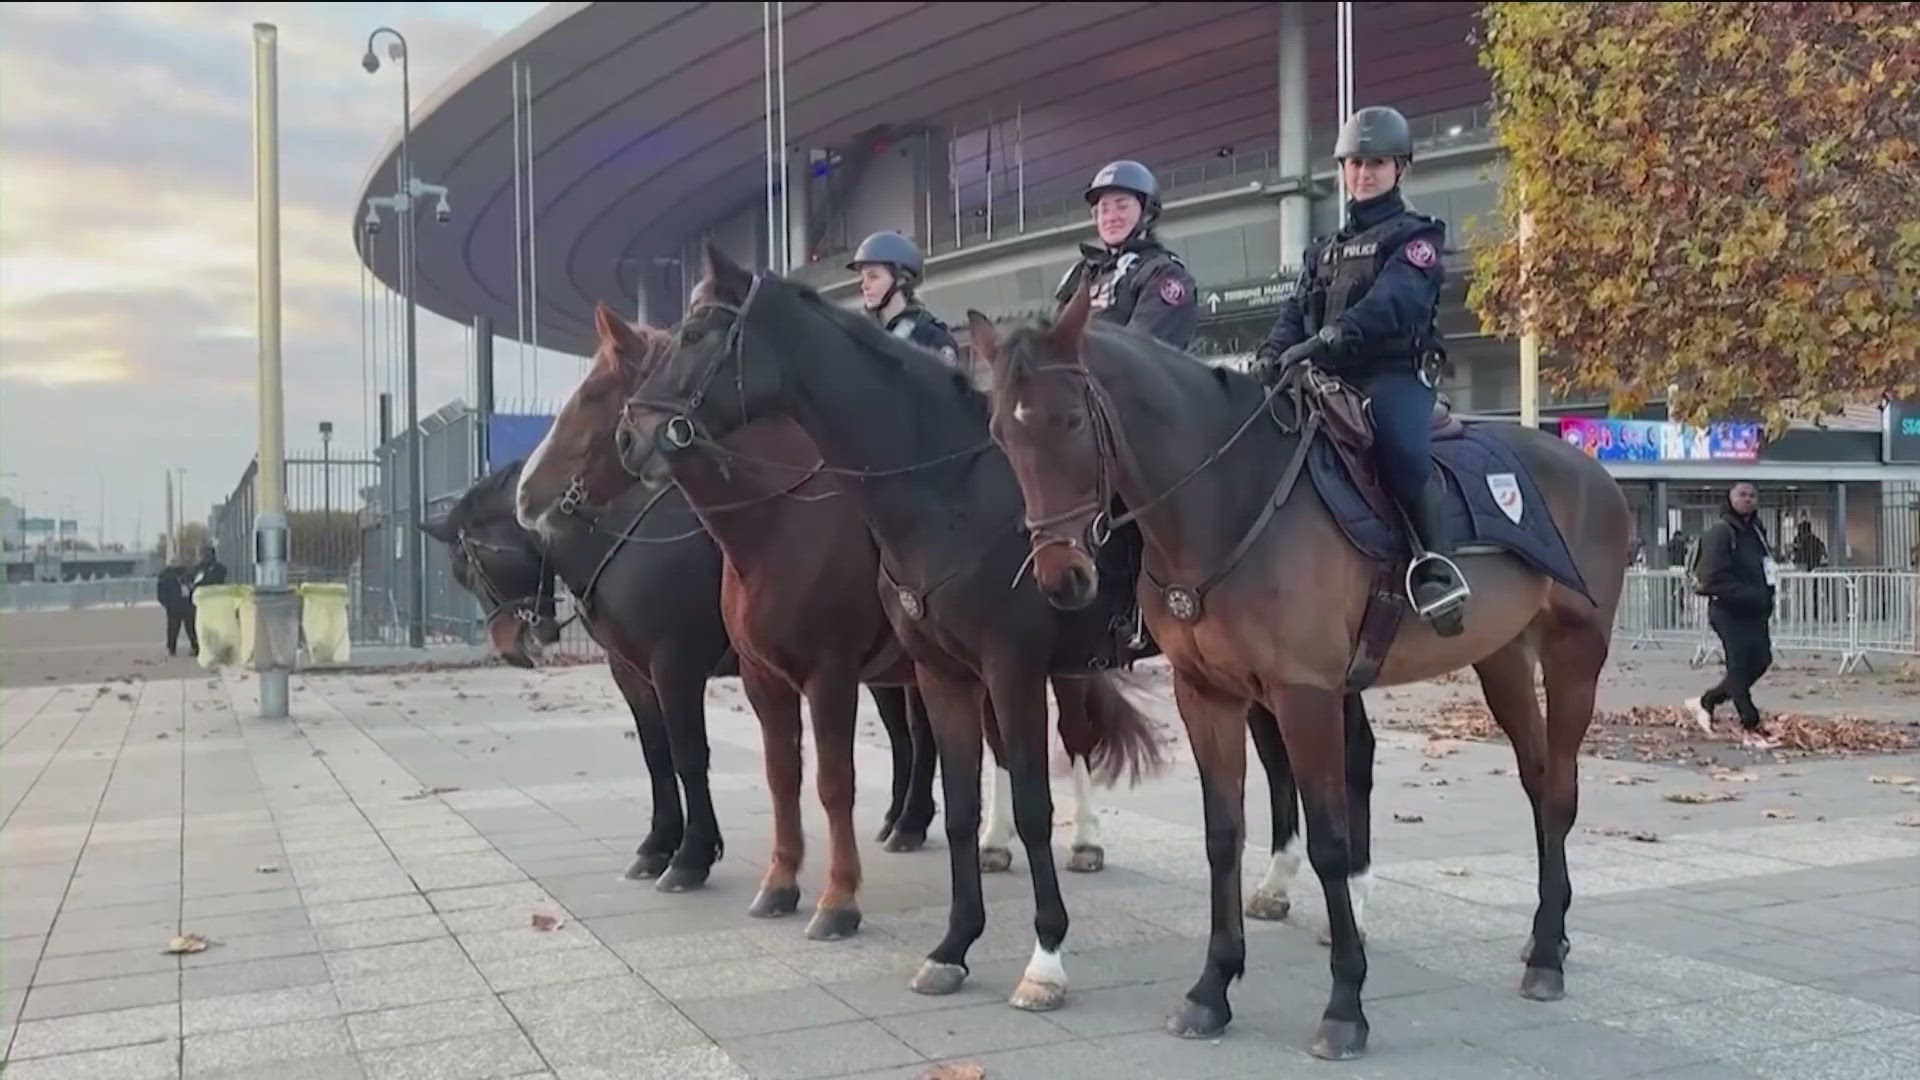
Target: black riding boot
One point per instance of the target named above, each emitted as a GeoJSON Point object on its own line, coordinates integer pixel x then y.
{"type": "Point", "coordinates": [1439, 591]}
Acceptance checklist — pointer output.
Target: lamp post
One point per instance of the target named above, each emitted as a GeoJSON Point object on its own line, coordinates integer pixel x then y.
{"type": "Point", "coordinates": [326, 469]}
{"type": "Point", "coordinates": [406, 189]}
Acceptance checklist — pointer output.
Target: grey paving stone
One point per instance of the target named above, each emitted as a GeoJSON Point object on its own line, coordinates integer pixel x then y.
{"type": "Point", "coordinates": [1440, 1016]}
{"type": "Point", "coordinates": [428, 1023]}
{"type": "Point", "coordinates": [87, 967]}
{"type": "Point", "coordinates": [137, 913]}
{"type": "Point", "coordinates": [582, 1037]}
{"type": "Point", "coordinates": [1827, 1059]}
{"type": "Point", "coordinates": [1718, 1023]}
{"type": "Point", "coordinates": [1591, 1051]}
{"type": "Point", "coordinates": [1120, 1010]}
{"type": "Point", "coordinates": [1244, 1051]}
{"type": "Point", "coordinates": [649, 955]}
{"type": "Point", "coordinates": [469, 1057]}
{"type": "Point", "coordinates": [485, 920]}
{"type": "Point", "coordinates": [548, 969]}
{"type": "Point", "coordinates": [379, 909]}
{"type": "Point", "coordinates": [1054, 1061]}
{"type": "Point", "coordinates": [1900, 1042]}
{"type": "Point", "coordinates": [524, 940]}
{"type": "Point", "coordinates": [463, 871]}
{"type": "Point", "coordinates": [253, 976]}
{"type": "Point", "coordinates": [479, 896]}
{"type": "Point", "coordinates": [407, 956]}
{"type": "Point", "coordinates": [977, 1029]}
{"type": "Point", "coordinates": [262, 1008]}
{"type": "Point", "coordinates": [1820, 1013]}
{"type": "Point", "coordinates": [247, 924]}
{"type": "Point", "coordinates": [580, 998]}
{"type": "Point", "coordinates": [371, 932]}
{"type": "Point", "coordinates": [765, 1013]}
{"type": "Point", "coordinates": [228, 1050]}
{"type": "Point", "coordinates": [729, 978]}
{"type": "Point", "coordinates": [148, 1061]}
{"type": "Point", "coordinates": [234, 950]}
{"type": "Point", "coordinates": [279, 897]}
{"type": "Point", "coordinates": [395, 989]}
{"type": "Point", "coordinates": [334, 888]}
{"type": "Point", "coordinates": [101, 995]}
{"type": "Point", "coordinates": [153, 935]}
{"type": "Point", "coordinates": [96, 1031]}
{"type": "Point", "coordinates": [822, 1051]}
{"type": "Point", "coordinates": [328, 1067]}
{"type": "Point", "coordinates": [675, 1063]}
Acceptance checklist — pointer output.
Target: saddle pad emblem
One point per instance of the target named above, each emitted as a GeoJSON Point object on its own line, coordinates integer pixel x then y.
{"type": "Point", "coordinates": [1506, 495]}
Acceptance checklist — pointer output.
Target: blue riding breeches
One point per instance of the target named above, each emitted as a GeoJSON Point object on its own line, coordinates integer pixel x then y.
{"type": "Point", "coordinates": [1402, 408]}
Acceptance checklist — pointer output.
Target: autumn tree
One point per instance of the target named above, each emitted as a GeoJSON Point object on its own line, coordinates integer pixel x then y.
{"type": "Point", "coordinates": [1725, 198]}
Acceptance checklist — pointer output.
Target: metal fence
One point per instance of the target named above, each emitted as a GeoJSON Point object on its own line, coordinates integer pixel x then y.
{"type": "Point", "coordinates": [322, 494]}
{"type": "Point", "coordinates": [450, 456]}
{"type": "Point", "coordinates": [72, 595]}
{"type": "Point", "coordinates": [1852, 614]}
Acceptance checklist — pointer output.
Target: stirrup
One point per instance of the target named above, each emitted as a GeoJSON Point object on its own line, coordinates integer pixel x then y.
{"type": "Point", "coordinates": [1450, 602]}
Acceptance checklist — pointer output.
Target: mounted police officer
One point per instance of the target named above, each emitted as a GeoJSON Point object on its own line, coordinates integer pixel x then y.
{"type": "Point", "coordinates": [890, 269]}
{"type": "Point", "coordinates": [1136, 282]}
{"type": "Point", "coordinates": [1366, 312]}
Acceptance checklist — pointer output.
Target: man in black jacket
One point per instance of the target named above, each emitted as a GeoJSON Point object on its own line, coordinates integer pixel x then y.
{"type": "Point", "coordinates": [172, 593]}
{"type": "Point", "coordinates": [1736, 572]}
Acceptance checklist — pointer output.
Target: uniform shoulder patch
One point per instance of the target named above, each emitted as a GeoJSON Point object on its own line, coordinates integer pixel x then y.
{"type": "Point", "coordinates": [1422, 253]}
{"type": "Point", "coordinates": [1172, 289]}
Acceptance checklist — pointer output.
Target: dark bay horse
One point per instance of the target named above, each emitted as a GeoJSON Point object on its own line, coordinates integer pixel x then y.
{"type": "Point", "coordinates": [908, 433]}
{"type": "Point", "coordinates": [512, 569]}
{"type": "Point", "coordinates": [1089, 411]}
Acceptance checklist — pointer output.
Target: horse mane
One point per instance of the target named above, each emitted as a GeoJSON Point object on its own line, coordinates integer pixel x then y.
{"type": "Point", "coordinates": [907, 357]}
{"type": "Point", "coordinates": [1027, 343]}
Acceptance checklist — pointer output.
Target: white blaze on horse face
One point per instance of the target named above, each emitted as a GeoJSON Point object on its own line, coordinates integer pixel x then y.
{"type": "Point", "coordinates": [1021, 414]}
{"type": "Point", "coordinates": [532, 468]}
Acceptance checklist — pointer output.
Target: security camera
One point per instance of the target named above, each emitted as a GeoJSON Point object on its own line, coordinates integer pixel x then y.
{"type": "Point", "coordinates": [443, 213]}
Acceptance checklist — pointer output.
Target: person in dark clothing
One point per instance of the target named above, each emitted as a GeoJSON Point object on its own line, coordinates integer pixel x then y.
{"type": "Point", "coordinates": [1736, 573]}
{"type": "Point", "coordinates": [210, 571]}
{"type": "Point", "coordinates": [1135, 280]}
{"type": "Point", "coordinates": [172, 594]}
{"type": "Point", "coordinates": [890, 269]}
{"type": "Point", "coordinates": [1809, 551]}
{"type": "Point", "coordinates": [1367, 312]}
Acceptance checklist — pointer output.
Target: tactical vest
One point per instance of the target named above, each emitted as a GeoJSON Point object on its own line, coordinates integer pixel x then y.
{"type": "Point", "coordinates": [1345, 271]}
{"type": "Point", "coordinates": [907, 326]}
{"type": "Point", "coordinates": [1116, 290]}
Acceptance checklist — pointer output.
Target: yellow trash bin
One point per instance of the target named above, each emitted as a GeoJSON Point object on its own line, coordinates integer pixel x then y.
{"type": "Point", "coordinates": [323, 619]}
{"type": "Point", "coordinates": [217, 621]}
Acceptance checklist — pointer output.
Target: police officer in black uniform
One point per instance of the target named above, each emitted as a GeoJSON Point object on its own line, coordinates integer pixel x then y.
{"type": "Point", "coordinates": [1136, 282]}
{"type": "Point", "coordinates": [890, 269]}
{"type": "Point", "coordinates": [1366, 312]}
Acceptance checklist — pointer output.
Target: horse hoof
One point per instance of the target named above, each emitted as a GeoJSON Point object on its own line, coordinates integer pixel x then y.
{"type": "Point", "coordinates": [1197, 1021]}
{"type": "Point", "coordinates": [833, 924]}
{"type": "Point", "coordinates": [1035, 996]}
{"type": "Point", "coordinates": [905, 840]}
{"type": "Point", "coordinates": [1087, 859]}
{"type": "Point", "coordinates": [1267, 907]}
{"type": "Point", "coordinates": [646, 866]}
{"type": "Point", "coordinates": [682, 879]}
{"type": "Point", "coordinates": [1543, 984]}
{"type": "Point", "coordinates": [993, 860]}
{"type": "Point", "coordinates": [934, 979]}
{"type": "Point", "coordinates": [773, 903]}
{"type": "Point", "coordinates": [1339, 1040]}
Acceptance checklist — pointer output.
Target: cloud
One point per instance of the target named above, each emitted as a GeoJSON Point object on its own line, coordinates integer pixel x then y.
{"type": "Point", "coordinates": [127, 240]}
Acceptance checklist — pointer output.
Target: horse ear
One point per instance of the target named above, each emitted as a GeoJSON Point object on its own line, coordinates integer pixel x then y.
{"type": "Point", "coordinates": [1073, 322]}
{"type": "Point", "coordinates": [439, 529]}
{"type": "Point", "coordinates": [629, 345]}
{"type": "Point", "coordinates": [986, 339]}
{"type": "Point", "coordinates": [730, 279]}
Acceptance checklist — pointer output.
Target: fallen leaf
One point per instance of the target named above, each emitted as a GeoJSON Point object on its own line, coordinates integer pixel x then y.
{"type": "Point", "coordinates": [1428, 766]}
{"type": "Point", "coordinates": [1630, 781]}
{"type": "Point", "coordinates": [1695, 798]}
{"type": "Point", "coordinates": [1644, 836]}
{"type": "Point", "coordinates": [1500, 771]}
{"type": "Point", "coordinates": [427, 793]}
{"type": "Point", "coordinates": [266, 868]}
{"type": "Point", "coordinates": [959, 1070]}
{"type": "Point", "coordinates": [188, 943]}
{"type": "Point", "coordinates": [1439, 748]}
{"type": "Point", "coordinates": [1895, 781]}
{"type": "Point", "coordinates": [1779, 815]}
{"type": "Point", "coordinates": [542, 921]}
{"type": "Point", "coordinates": [1731, 777]}
{"type": "Point", "coordinates": [1455, 871]}
{"type": "Point", "coordinates": [1911, 821]}
{"type": "Point", "coordinates": [1408, 819]}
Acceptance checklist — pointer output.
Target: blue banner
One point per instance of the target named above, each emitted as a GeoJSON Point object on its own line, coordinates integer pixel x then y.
{"type": "Point", "coordinates": [512, 437]}
{"type": "Point", "coordinates": [1660, 440]}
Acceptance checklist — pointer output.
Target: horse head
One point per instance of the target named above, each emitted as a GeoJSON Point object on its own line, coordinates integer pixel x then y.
{"type": "Point", "coordinates": [705, 388]}
{"type": "Point", "coordinates": [1047, 420]}
{"type": "Point", "coordinates": [576, 468]}
{"type": "Point", "coordinates": [503, 565]}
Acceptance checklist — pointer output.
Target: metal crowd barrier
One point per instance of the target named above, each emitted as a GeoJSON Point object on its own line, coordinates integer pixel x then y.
{"type": "Point", "coordinates": [1850, 613]}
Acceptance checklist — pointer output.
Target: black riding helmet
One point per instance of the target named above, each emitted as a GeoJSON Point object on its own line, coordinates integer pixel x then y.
{"type": "Point", "coordinates": [1375, 132]}
{"type": "Point", "coordinates": [1131, 177]}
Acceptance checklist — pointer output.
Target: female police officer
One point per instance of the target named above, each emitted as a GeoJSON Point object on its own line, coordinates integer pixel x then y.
{"type": "Point", "coordinates": [889, 266]}
{"type": "Point", "coordinates": [1135, 281]}
{"type": "Point", "coordinates": [1366, 312]}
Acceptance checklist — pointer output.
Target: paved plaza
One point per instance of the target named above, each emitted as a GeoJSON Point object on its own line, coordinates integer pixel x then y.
{"type": "Point", "coordinates": [368, 873]}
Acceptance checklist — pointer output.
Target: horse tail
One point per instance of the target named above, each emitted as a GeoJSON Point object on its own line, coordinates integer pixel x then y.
{"type": "Point", "coordinates": [1125, 740]}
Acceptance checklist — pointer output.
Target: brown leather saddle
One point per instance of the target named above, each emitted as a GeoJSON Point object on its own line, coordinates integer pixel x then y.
{"type": "Point", "coordinates": [1347, 424]}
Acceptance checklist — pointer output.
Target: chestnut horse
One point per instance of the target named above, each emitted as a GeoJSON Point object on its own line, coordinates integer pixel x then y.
{"type": "Point", "coordinates": [910, 433]}
{"type": "Point", "coordinates": [799, 601]}
{"type": "Point", "coordinates": [1090, 411]}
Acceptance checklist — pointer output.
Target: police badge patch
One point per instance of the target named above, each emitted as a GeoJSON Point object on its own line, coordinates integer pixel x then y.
{"type": "Point", "coordinates": [1173, 290]}
{"type": "Point", "coordinates": [1421, 254]}
{"type": "Point", "coordinates": [1506, 495]}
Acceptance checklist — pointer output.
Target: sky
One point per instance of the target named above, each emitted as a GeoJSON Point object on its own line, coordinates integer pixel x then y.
{"type": "Point", "coordinates": [127, 241]}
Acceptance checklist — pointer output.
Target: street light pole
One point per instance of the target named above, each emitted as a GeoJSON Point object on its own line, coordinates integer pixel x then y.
{"type": "Point", "coordinates": [416, 472]}
{"type": "Point", "coordinates": [326, 470]}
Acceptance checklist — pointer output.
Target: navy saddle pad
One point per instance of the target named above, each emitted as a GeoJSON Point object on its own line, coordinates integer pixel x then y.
{"type": "Point", "coordinates": [1490, 498]}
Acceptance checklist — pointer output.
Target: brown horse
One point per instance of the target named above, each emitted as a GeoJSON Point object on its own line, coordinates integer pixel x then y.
{"type": "Point", "coordinates": [1210, 462]}
{"type": "Point", "coordinates": [798, 597]}
{"type": "Point", "coordinates": [909, 434]}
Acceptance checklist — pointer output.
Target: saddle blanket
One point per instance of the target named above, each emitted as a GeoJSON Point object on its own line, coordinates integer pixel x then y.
{"type": "Point", "coordinates": [1490, 498]}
